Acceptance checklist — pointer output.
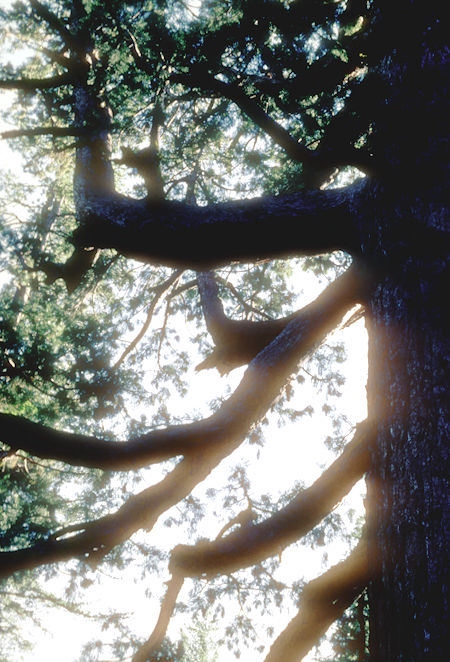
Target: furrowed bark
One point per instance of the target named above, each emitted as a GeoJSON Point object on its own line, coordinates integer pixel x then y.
{"type": "Point", "coordinates": [253, 543]}
{"type": "Point", "coordinates": [265, 377]}
{"type": "Point", "coordinates": [323, 601]}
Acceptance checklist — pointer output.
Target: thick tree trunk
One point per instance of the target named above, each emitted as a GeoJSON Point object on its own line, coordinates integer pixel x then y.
{"type": "Point", "coordinates": [408, 484]}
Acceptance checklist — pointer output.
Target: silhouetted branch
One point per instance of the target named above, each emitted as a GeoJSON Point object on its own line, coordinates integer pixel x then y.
{"type": "Point", "coordinates": [323, 601]}
{"type": "Point", "coordinates": [255, 542]}
{"type": "Point", "coordinates": [263, 380]}
{"type": "Point", "coordinates": [36, 83]}
{"type": "Point", "coordinates": [158, 292]}
{"type": "Point", "coordinates": [57, 131]}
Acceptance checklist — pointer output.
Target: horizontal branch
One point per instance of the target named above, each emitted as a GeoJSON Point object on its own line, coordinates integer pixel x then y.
{"type": "Point", "coordinates": [265, 377]}
{"type": "Point", "coordinates": [190, 236]}
{"type": "Point", "coordinates": [253, 543]}
{"type": "Point", "coordinates": [45, 131]}
{"type": "Point", "coordinates": [323, 600]}
{"type": "Point", "coordinates": [36, 83]}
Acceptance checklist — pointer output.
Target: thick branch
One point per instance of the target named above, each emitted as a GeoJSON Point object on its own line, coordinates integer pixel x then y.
{"type": "Point", "coordinates": [45, 131]}
{"type": "Point", "coordinates": [238, 341]}
{"type": "Point", "coordinates": [36, 83]}
{"type": "Point", "coordinates": [95, 539]}
{"type": "Point", "coordinates": [265, 377]}
{"type": "Point", "coordinates": [253, 543]}
{"type": "Point", "coordinates": [323, 601]}
{"type": "Point", "coordinates": [178, 234]}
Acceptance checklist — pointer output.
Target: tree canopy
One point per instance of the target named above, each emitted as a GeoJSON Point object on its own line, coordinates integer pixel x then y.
{"type": "Point", "coordinates": [183, 164]}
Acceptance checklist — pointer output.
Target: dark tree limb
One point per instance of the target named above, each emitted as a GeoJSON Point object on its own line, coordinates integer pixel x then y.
{"type": "Point", "coordinates": [32, 84]}
{"type": "Point", "coordinates": [263, 380]}
{"type": "Point", "coordinates": [57, 131]}
{"type": "Point", "coordinates": [323, 601]}
{"type": "Point", "coordinates": [238, 341]}
{"type": "Point", "coordinates": [181, 235]}
{"type": "Point", "coordinates": [253, 543]}
{"type": "Point", "coordinates": [73, 271]}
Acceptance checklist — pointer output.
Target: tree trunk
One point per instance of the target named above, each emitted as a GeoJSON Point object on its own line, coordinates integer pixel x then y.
{"type": "Point", "coordinates": [408, 483]}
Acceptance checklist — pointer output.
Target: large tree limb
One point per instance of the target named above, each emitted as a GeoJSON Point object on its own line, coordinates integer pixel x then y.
{"type": "Point", "coordinates": [32, 84]}
{"type": "Point", "coordinates": [95, 539]}
{"type": "Point", "coordinates": [253, 543]}
{"type": "Point", "coordinates": [265, 377]}
{"type": "Point", "coordinates": [238, 341]}
{"type": "Point", "coordinates": [56, 131]}
{"type": "Point", "coordinates": [323, 600]}
{"type": "Point", "coordinates": [182, 235]}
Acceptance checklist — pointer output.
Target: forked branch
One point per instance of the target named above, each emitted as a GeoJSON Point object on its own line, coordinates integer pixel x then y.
{"type": "Point", "coordinates": [262, 383]}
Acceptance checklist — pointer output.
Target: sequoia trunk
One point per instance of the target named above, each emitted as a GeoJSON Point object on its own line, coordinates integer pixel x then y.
{"type": "Point", "coordinates": [408, 482]}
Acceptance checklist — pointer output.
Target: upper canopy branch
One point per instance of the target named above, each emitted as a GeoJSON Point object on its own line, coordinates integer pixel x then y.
{"type": "Point", "coordinates": [55, 23]}
{"type": "Point", "coordinates": [266, 376]}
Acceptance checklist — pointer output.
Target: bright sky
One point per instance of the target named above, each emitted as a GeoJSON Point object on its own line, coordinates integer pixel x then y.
{"type": "Point", "coordinates": [299, 442]}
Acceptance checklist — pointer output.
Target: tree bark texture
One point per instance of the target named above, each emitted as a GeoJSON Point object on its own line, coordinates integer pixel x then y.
{"type": "Point", "coordinates": [409, 356]}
